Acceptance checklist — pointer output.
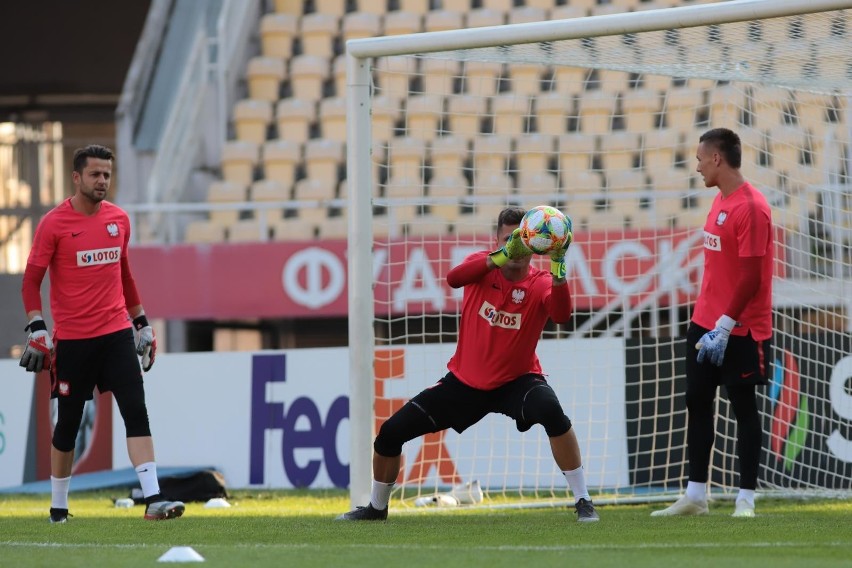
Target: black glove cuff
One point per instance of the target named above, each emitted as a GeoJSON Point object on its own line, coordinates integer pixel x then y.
{"type": "Point", "coordinates": [36, 325]}
{"type": "Point", "coordinates": [139, 322]}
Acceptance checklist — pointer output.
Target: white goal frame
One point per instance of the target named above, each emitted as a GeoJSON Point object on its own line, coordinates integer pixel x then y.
{"type": "Point", "coordinates": [358, 94]}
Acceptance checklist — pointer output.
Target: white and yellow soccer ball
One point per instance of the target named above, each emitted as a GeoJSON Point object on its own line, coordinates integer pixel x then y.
{"type": "Point", "coordinates": [545, 229]}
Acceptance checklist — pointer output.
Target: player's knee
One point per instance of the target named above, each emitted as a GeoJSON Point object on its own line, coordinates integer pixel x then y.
{"type": "Point", "coordinates": [67, 424]}
{"type": "Point", "coordinates": [406, 424]}
{"type": "Point", "coordinates": [135, 417]}
{"type": "Point", "coordinates": [541, 406]}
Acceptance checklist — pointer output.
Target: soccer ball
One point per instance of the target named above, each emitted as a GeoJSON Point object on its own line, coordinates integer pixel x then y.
{"type": "Point", "coordinates": [545, 229]}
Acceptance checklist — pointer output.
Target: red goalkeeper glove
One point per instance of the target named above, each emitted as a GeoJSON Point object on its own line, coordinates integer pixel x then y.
{"type": "Point", "coordinates": [37, 353]}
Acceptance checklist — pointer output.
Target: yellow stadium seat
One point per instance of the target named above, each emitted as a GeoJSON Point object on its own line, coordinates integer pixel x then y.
{"type": "Point", "coordinates": [485, 17]}
{"type": "Point", "coordinates": [314, 190]}
{"type": "Point", "coordinates": [510, 114]}
{"type": "Point", "coordinates": [726, 102]}
{"type": "Point", "coordinates": [307, 75]}
{"type": "Point", "coordinates": [525, 80]}
{"type": "Point", "coordinates": [552, 111]}
{"type": "Point", "coordinates": [680, 106]}
{"type": "Point", "coordinates": [464, 113]}
{"type": "Point", "coordinates": [620, 151]}
{"type": "Point", "coordinates": [248, 230]}
{"type": "Point", "coordinates": [625, 181]}
{"type": "Point", "coordinates": [448, 155]}
{"type": "Point", "coordinates": [393, 75]}
{"type": "Point", "coordinates": [491, 153]}
{"type": "Point", "coordinates": [361, 24]}
{"type": "Point", "coordinates": [403, 22]}
{"type": "Point", "coordinates": [332, 115]}
{"type": "Point", "coordinates": [423, 116]}
{"type": "Point", "coordinates": [427, 226]}
{"type": "Point", "coordinates": [575, 151]}
{"type": "Point", "coordinates": [481, 77]}
{"type": "Point", "coordinates": [204, 231]}
{"type": "Point", "coordinates": [386, 113]}
{"type": "Point", "coordinates": [294, 118]}
{"type": "Point", "coordinates": [596, 109]}
{"type": "Point", "coordinates": [294, 229]}
{"type": "Point", "coordinates": [529, 13]}
{"type": "Point", "coordinates": [334, 227]}
{"type": "Point", "coordinates": [280, 158]}
{"type": "Point", "coordinates": [785, 146]}
{"type": "Point", "coordinates": [270, 190]}
{"type": "Point", "coordinates": [534, 152]}
{"type": "Point", "coordinates": [276, 34]}
{"type": "Point", "coordinates": [335, 7]}
{"type": "Point", "coordinates": [239, 157]}
{"type": "Point", "coordinates": [570, 11]}
{"type": "Point", "coordinates": [338, 71]}
{"type": "Point", "coordinates": [413, 6]}
{"type": "Point", "coordinates": [264, 76]}
{"type": "Point", "coordinates": [442, 20]}
{"type": "Point", "coordinates": [447, 192]}
{"type": "Point", "coordinates": [639, 108]}
{"type": "Point", "coordinates": [318, 32]}
{"type": "Point", "coordinates": [226, 192]}
{"type": "Point", "coordinates": [439, 76]}
{"type": "Point", "coordinates": [293, 7]}
{"type": "Point", "coordinates": [322, 159]}
{"type": "Point", "coordinates": [252, 119]}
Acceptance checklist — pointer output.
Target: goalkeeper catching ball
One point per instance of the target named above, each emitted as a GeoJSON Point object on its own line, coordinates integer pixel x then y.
{"type": "Point", "coordinates": [495, 369]}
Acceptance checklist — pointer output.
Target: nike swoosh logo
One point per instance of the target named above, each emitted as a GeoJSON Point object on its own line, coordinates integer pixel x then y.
{"type": "Point", "coordinates": [746, 375]}
{"type": "Point", "coordinates": [75, 234]}
{"type": "Point", "coordinates": [495, 286]}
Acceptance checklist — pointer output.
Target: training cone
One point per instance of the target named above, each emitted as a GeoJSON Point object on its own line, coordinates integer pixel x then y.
{"type": "Point", "coordinates": [217, 503]}
{"type": "Point", "coordinates": [181, 554]}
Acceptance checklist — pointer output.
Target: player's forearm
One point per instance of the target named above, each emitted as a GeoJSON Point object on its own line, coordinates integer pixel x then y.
{"type": "Point", "coordinates": [559, 304]}
{"type": "Point", "coordinates": [470, 271]}
{"type": "Point", "coordinates": [31, 289]}
{"type": "Point", "coordinates": [747, 286]}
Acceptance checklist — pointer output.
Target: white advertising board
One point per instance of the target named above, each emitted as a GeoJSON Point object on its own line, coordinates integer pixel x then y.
{"type": "Point", "coordinates": [16, 398]}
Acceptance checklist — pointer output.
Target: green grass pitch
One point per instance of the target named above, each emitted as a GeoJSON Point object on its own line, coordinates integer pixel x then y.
{"type": "Point", "coordinates": [297, 528]}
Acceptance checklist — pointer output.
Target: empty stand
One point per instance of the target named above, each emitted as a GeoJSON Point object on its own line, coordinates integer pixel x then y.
{"type": "Point", "coordinates": [204, 231]}
{"type": "Point", "coordinates": [252, 119]}
{"type": "Point", "coordinates": [277, 32]}
{"type": "Point", "coordinates": [248, 230]}
{"type": "Point", "coordinates": [413, 6]}
{"type": "Point", "coordinates": [403, 22]}
{"type": "Point", "coordinates": [552, 111]}
{"type": "Point", "coordinates": [528, 13]}
{"type": "Point", "coordinates": [465, 114]}
{"type": "Point", "coordinates": [393, 75]}
{"type": "Point", "coordinates": [659, 148]}
{"type": "Point", "coordinates": [596, 109]}
{"type": "Point", "coordinates": [575, 151]}
{"type": "Point", "coordinates": [239, 158]}
{"type": "Point", "coordinates": [358, 25]}
{"type": "Point", "coordinates": [510, 114]}
{"type": "Point", "coordinates": [638, 109]}
{"type": "Point", "coordinates": [423, 115]}
{"type": "Point", "coordinates": [620, 151]}
{"type": "Point", "coordinates": [481, 77]}
{"type": "Point", "coordinates": [322, 160]}
{"type": "Point", "coordinates": [485, 17]}
{"type": "Point", "coordinates": [294, 118]}
{"type": "Point", "coordinates": [225, 192]}
{"type": "Point", "coordinates": [386, 113]}
{"type": "Point", "coordinates": [439, 76]}
{"type": "Point", "coordinates": [332, 115]}
{"type": "Point", "coordinates": [280, 159]}
{"type": "Point", "coordinates": [680, 107]}
{"type": "Point", "coordinates": [264, 76]}
{"type": "Point", "coordinates": [311, 189]}
{"type": "Point", "coordinates": [270, 190]}
{"type": "Point", "coordinates": [442, 20]}
{"type": "Point", "coordinates": [294, 229]}
{"type": "Point", "coordinates": [307, 75]}
{"type": "Point", "coordinates": [405, 159]}
{"type": "Point", "coordinates": [490, 161]}
{"type": "Point", "coordinates": [448, 156]}
{"type": "Point", "coordinates": [293, 7]}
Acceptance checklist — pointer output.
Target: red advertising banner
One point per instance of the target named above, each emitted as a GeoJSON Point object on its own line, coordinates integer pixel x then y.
{"type": "Point", "coordinates": [292, 280]}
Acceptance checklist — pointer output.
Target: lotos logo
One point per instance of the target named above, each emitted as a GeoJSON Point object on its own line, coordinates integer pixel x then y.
{"type": "Point", "coordinates": [791, 419]}
{"type": "Point", "coordinates": [98, 256]}
{"type": "Point", "coordinates": [500, 319]}
{"type": "Point", "coordinates": [712, 242]}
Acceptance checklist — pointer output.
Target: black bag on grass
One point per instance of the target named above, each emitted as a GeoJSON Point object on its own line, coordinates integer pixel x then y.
{"type": "Point", "coordinates": [197, 486]}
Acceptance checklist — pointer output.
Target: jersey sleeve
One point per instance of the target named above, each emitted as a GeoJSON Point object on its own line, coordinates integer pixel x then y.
{"type": "Point", "coordinates": [753, 228]}
{"type": "Point", "coordinates": [44, 243]}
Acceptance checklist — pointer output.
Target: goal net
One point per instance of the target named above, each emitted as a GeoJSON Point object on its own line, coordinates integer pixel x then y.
{"type": "Point", "coordinates": [601, 118]}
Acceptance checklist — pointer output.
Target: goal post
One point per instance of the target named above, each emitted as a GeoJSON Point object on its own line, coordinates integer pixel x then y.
{"type": "Point", "coordinates": [600, 116]}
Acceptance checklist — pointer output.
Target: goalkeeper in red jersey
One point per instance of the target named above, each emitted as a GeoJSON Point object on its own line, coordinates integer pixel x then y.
{"type": "Point", "coordinates": [495, 369]}
{"type": "Point", "coordinates": [95, 307]}
{"type": "Point", "coordinates": [729, 339]}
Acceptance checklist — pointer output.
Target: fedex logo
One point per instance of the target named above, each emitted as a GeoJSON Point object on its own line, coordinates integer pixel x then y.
{"type": "Point", "coordinates": [98, 256]}
{"type": "Point", "coordinates": [314, 431]}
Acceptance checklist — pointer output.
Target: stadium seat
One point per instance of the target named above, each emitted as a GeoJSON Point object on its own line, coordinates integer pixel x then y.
{"type": "Point", "coordinates": [460, 6]}
{"type": "Point", "coordinates": [280, 159]}
{"type": "Point", "coordinates": [575, 151]}
{"type": "Point", "coordinates": [639, 108]}
{"type": "Point", "coordinates": [488, 182]}
{"type": "Point", "coordinates": [335, 227]}
{"type": "Point", "coordinates": [753, 143]}
{"type": "Point", "coordinates": [465, 113]}
{"type": "Point", "coordinates": [625, 181]}
{"type": "Point", "coordinates": [620, 151]}
{"type": "Point", "coordinates": [510, 114]}
{"type": "Point", "coordinates": [658, 149]}
{"type": "Point", "coordinates": [314, 190]}
{"type": "Point", "coordinates": [405, 158]}
{"type": "Point", "coordinates": [446, 192]}
{"type": "Point", "coordinates": [264, 76]}
{"type": "Point", "coordinates": [248, 230]}
{"type": "Point", "coordinates": [225, 192]}
{"type": "Point", "coordinates": [385, 113]}
{"type": "Point", "coordinates": [239, 158]}
{"type": "Point", "coordinates": [486, 17]}
{"type": "Point", "coordinates": [252, 119]}
{"type": "Point", "coordinates": [448, 155]}
{"type": "Point", "coordinates": [525, 80]}
{"type": "Point", "coordinates": [785, 146]}
{"type": "Point", "coordinates": [581, 182]}
{"type": "Point", "coordinates": [428, 226]}
{"type": "Point", "coordinates": [569, 11]}
{"type": "Point", "coordinates": [423, 116]}
{"type": "Point", "coordinates": [596, 109]}
{"type": "Point", "coordinates": [276, 34]}
{"type": "Point", "coordinates": [439, 76]}
{"type": "Point", "coordinates": [294, 229]}
{"type": "Point", "coordinates": [292, 7]}
{"type": "Point", "coordinates": [413, 6]}
{"type": "Point", "coordinates": [204, 231]}
{"type": "Point", "coordinates": [679, 107]}
{"type": "Point", "coordinates": [534, 152]}
{"type": "Point", "coordinates": [529, 13]}
{"type": "Point", "coordinates": [491, 153]}
{"type": "Point", "coordinates": [442, 20]}
{"type": "Point", "coordinates": [552, 111]}
{"type": "Point", "coordinates": [537, 188]}
{"type": "Point", "coordinates": [361, 24]}
{"type": "Point", "coordinates": [393, 75]}
{"type": "Point", "coordinates": [725, 104]}
{"type": "Point", "coordinates": [270, 190]}
{"type": "Point", "coordinates": [307, 75]}
{"type": "Point", "coordinates": [338, 73]}
{"type": "Point", "coordinates": [332, 116]}
{"type": "Point", "coordinates": [481, 77]}
{"type": "Point", "coordinates": [294, 118]}
{"type": "Point", "coordinates": [403, 22]}
{"type": "Point", "coordinates": [322, 160]}
{"type": "Point", "coordinates": [318, 32]}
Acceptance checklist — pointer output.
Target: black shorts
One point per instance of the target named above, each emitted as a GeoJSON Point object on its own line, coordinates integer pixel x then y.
{"type": "Point", "coordinates": [747, 362]}
{"type": "Point", "coordinates": [106, 362]}
{"type": "Point", "coordinates": [452, 404]}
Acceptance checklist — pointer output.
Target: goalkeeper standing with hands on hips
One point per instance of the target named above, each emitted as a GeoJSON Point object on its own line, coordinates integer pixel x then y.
{"type": "Point", "coordinates": [95, 307]}
{"type": "Point", "coordinates": [729, 340]}
{"type": "Point", "coordinates": [495, 368]}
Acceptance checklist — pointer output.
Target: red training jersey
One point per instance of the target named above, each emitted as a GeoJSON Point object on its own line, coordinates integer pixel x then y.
{"type": "Point", "coordinates": [501, 323]}
{"type": "Point", "coordinates": [739, 225]}
{"type": "Point", "coordinates": [83, 256]}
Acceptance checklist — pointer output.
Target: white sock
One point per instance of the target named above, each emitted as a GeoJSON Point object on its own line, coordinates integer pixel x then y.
{"type": "Point", "coordinates": [380, 495]}
{"type": "Point", "coordinates": [746, 495]}
{"type": "Point", "coordinates": [59, 492]}
{"type": "Point", "coordinates": [696, 491]}
{"type": "Point", "coordinates": [577, 483]}
{"type": "Point", "coordinates": [147, 473]}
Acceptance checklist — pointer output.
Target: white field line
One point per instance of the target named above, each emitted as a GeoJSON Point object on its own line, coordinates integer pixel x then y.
{"type": "Point", "coordinates": [427, 547]}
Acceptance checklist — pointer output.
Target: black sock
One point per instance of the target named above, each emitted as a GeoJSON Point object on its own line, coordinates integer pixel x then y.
{"type": "Point", "coordinates": [154, 498]}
